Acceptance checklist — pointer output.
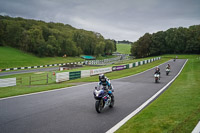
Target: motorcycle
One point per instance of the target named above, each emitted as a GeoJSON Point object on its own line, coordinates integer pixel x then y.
{"type": "Point", "coordinates": [167, 71]}
{"type": "Point", "coordinates": [157, 76]}
{"type": "Point", "coordinates": [104, 99]}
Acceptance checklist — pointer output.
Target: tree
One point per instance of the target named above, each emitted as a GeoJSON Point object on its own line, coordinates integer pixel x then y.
{"type": "Point", "coordinates": [109, 47]}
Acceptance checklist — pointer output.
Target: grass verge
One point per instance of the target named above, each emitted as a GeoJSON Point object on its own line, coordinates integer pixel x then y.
{"type": "Point", "coordinates": [177, 109]}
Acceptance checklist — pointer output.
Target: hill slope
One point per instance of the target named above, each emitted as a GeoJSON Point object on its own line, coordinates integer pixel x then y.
{"type": "Point", "coordinates": [11, 57]}
{"type": "Point", "coordinates": [123, 48]}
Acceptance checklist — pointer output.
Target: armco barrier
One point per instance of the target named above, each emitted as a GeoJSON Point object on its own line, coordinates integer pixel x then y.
{"type": "Point", "coordinates": [86, 73]}
{"type": "Point", "coordinates": [101, 70]}
{"type": "Point", "coordinates": [64, 76]}
{"type": "Point", "coordinates": [133, 64]}
{"type": "Point", "coordinates": [136, 63]}
{"type": "Point", "coordinates": [130, 65]}
{"type": "Point", "coordinates": [7, 82]}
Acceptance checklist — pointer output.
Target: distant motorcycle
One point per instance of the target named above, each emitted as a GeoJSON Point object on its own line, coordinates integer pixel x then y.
{"type": "Point", "coordinates": [157, 76]}
{"type": "Point", "coordinates": [104, 98]}
{"type": "Point", "coordinates": [167, 71]}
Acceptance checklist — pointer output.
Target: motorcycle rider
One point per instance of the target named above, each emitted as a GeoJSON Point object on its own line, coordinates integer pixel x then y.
{"type": "Point", "coordinates": [104, 81]}
{"type": "Point", "coordinates": [168, 66]}
{"type": "Point", "coordinates": [157, 71]}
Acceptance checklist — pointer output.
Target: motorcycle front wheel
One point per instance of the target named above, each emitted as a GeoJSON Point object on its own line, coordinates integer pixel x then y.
{"type": "Point", "coordinates": [156, 80]}
{"type": "Point", "coordinates": [99, 105]}
{"type": "Point", "coordinates": [167, 73]}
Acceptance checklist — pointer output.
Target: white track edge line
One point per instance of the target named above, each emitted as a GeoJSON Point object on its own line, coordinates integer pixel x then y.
{"type": "Point", "coordinates": [123, 121]}
{"type": "Point", "coordinates": [70, 86]}
{"type": "Point", "coordinates": [197, 128]}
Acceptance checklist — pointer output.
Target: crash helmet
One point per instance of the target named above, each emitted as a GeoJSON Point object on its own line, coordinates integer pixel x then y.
{"type": "Point", "coordinates": [157, 67]}
{"type": "Point", "coordinates": [102, 78]}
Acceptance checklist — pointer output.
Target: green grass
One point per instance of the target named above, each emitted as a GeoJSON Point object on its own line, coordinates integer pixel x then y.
{"type": "Point", "coordinates": [41, 85]}
{"type": "Point", "coordinates": [124, 48]}
{"type": "Point", "coordinates": [177, 109]}
{"type": "Point", "coordinates": [11, 58]}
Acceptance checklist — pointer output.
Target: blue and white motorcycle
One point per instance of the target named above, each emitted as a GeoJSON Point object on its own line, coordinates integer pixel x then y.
{"type": "Point", "coordinates": [104, 98]}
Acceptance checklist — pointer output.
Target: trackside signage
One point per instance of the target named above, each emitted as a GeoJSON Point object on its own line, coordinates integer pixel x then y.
{"type": "Point", "coordinates": [99, 71]}
{"type": "Point", "coordinates": [116, 68]}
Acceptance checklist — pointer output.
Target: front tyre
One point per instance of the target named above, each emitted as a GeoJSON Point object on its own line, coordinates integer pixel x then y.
{"type": "Point", "coordinates": [99, 106]}
{"type": "Point", "coordinates": [156, 80]}
{"type": "Point", "coordinates": [167, 73]}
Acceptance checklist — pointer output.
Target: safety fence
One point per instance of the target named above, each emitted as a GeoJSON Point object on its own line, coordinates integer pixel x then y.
{"type": "Point", "coordinates": [64, 76]}
{"type": "Point", "coordinates": [38, 79]}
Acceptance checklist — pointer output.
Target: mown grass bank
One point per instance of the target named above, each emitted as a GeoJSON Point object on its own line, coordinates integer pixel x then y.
{"type": "Point", "coordinates": [25, 88]}
{"type": "Point", "coordinates": [177, 109]}
{"type": "Point", "coordinates": [11, 58]}
{"type": "Point", "coordinates": [124, 48]}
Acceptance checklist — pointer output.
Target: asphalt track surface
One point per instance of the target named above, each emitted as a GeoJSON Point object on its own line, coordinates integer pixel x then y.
{"type": "Point", "coordinates": [72, 110]}
{"type": "Point", "coordinates": [29, 71]}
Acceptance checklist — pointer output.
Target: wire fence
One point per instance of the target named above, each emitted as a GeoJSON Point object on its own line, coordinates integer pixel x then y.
{"type": "Point", "coordinates": [39, 79]}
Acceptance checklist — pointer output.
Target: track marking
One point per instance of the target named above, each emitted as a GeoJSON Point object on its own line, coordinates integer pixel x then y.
{"type": "Point", "coordinates": [123, 121]}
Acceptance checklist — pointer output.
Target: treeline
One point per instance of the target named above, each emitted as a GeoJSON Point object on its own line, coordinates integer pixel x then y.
{"type": "Point", "coordinates": [124, 42]}
{"type": "Point", "coordinates": [173, 41]}
{"type": "Point", "coordinates": [52, 39]}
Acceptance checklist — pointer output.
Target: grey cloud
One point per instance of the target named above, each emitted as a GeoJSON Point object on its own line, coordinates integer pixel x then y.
{"type": "Point", "coordinates": [115, 19]}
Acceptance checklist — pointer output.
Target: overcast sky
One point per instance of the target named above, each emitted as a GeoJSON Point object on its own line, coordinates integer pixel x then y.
{"type": "Point", "coordinates": [114, 19]}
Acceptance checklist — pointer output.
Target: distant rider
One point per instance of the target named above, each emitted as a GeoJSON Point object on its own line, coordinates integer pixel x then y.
{"type": "Point", "coordinates": [157, 71]}
{"type": "Point", "coordinates": [168, 66]}
{"type": "Point", "coordinates": [104, 81]}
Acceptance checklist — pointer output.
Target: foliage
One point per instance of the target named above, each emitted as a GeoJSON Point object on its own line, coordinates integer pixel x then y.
{"type": "Point", "coordinates": [124, 42]}
{"type": "Point", "coordinates": [52, 39]}
{"type": "Point", "coordinates": [173, 41]}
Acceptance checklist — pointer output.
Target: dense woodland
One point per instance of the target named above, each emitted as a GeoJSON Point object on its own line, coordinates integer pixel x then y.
{"type": "Point", "coordinates": [173, 41]}
{"type": "Point", "coordinates": [52, 39]}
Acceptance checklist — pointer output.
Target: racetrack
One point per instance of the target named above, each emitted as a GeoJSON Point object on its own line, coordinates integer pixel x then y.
{"type": "Point", "coordinates": [29, 71]}
{"type": "Point", "coordinates": [72, 109]}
